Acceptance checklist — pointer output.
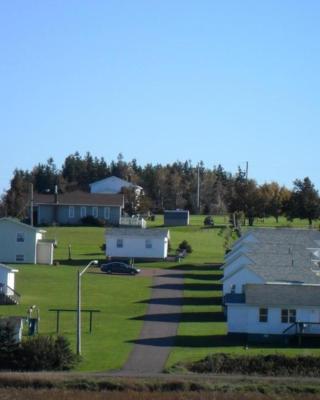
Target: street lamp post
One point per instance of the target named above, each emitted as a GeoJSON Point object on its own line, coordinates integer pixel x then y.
{"type": "Point", "coordinates": [80, 273]}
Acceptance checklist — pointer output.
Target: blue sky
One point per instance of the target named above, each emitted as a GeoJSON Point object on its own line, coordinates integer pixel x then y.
{"type": "Point", "coordinates": [162, 80]}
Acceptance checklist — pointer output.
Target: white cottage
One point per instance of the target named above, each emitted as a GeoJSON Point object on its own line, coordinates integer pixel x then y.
{"type": "Point", "coordinates": [137, 243]}
{"type": "Point", "coordinates": [8, 295]}
{"type": "Point", "coordinates": [271, 284]}
{"type": "Point", "coordinates": [113, 184]}
{"type": "Point", "coordinates": [22, 243]}
{"type": "Point", "coordinates": [275, 309]}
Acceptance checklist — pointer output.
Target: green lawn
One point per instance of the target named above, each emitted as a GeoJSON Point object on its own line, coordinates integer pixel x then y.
{"type": "Point", "coordinates": [120, 299]}
{"type": "Point", "coordinates": [202, 329]}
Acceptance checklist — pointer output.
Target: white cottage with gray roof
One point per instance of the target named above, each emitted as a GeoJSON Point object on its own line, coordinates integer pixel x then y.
{"type": "Point", "coordinates": [22, 243]}
{"type": "Point", "coordinates": [271, 283]}
{"type": "Point", "coordinates": [137, 243]}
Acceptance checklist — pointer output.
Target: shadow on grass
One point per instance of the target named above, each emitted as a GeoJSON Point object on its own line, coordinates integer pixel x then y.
{"type": "Point", "coordinates": [200, 277]}
{"type": "Point", "coordinates": [187, 301]}
{"type": "Point", "coordinates": [189, 286]}
{"type": "Point", "coordinates": [197, 267]}
{"type": "Point", "coordinates": [203, 277]}
{"type": "Point", "coordinates": [81, 262]}
{"type": "Point", "coordinates": [208, 341]}
{"type": "Point", "coordinates": [182, 317]}
{"type": "Point", "coordinates": [98, 254]}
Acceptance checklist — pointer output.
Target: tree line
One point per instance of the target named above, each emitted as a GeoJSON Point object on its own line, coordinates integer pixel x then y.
{"type": "Point", "coordinates": [169, 186]}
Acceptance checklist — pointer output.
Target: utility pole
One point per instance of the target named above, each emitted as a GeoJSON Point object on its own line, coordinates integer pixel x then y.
{"type": "Point", "coordinates": [247, 170]}
{"type": "Point", "coordinates": [80, 273]}
{"type": "Point", "coordinates": [31, 204]}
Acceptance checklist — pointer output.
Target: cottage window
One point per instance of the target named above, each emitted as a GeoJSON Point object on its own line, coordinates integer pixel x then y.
{"type": "Point", "coordinates": [19, 257]}
{"type": "Point", "coordinates": [95, 212]}
{"type": "Point", "coordinates": [148, 244]}
{"type": "Point", "coordinates": [233, 288]}
{"type": "Point", "coordinates": [119, 243]}
{"type": "Point", "coordinates": [71, 211]}
{"type": "Point", "coordinates": [83, 212]}
{"type": "Point", "coordinates": [106, 213]}
{"type": "Point", "coordinates": [288, 316]}
{"type": "Point", "coordinates": [263, 315]}
{"type": "Point", "coordinates": [20, 237]}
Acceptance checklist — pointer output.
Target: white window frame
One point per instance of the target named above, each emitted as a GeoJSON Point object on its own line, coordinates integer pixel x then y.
{"type": "Point", "coordinates": [20, 237]}
{"type": "Point", "coordinates": [119, 243]}
{"type": "Point", "coordinates": [148, 244]}
{"type": "Point", "coordinates": [83, 211]}
{"type": "Point", "coordinates": [71, 211]}
{"type": "Point", "coordinates": [107, 213]}
{"type": "Point", "coordinates": [288, 315]}
{"type": "Point", "coordinates": [19, 257]}
{"type": "Point", "coordinates": [95, 212]}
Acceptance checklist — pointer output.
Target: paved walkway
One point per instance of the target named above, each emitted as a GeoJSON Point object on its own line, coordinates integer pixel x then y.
{"type": "Point", "coordinates": [161, 321]}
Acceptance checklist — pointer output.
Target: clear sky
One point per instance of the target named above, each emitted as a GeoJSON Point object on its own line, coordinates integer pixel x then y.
{"type": "Point", "coordinates": [162, 80]}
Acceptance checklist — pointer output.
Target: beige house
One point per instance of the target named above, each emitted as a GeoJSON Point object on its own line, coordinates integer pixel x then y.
{"type": "Point", "coordinates": [22, 243]}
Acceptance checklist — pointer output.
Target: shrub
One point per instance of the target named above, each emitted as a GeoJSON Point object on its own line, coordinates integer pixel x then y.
{"type": "Point", "coordinates": [46, 353]}
{"type": "Point", "coordinates": [38, 353]}
{"type": "Point", "coordinates": [272, 364]}
{"type": "Point", "coordinates": [184, 245]}
{"type": "Point", "coordinates": [92, 221]}
{"type": "Point", "coordinates": [8, 347]}
{"type": "Point", "coordinates": [208, 221]}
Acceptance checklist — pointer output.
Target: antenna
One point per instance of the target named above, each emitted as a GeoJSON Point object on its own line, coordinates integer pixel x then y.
{"type": "Point", "coordinates": [31, 204]}
{"type": "Point", "coordinates": [198, 190]}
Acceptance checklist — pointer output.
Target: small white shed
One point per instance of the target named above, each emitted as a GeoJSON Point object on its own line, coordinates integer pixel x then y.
{"type": "Point", "coordinates": [137, 243]}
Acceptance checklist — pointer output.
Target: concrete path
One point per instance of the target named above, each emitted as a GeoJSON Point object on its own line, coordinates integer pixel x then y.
{"type": "Point", "coordinates": [161, 321]}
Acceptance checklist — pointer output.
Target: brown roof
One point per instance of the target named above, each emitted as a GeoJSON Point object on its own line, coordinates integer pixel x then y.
{"type": "Point", "coordinates": [80, 198]}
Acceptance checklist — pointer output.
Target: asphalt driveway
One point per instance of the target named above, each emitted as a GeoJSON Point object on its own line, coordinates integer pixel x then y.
{"type": "Point", "coordinates": [161, 321]}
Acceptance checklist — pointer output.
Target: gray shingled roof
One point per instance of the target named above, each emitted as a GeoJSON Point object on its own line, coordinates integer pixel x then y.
{"type": "Point", "coordinates": [284, 255]}
{"type": "Point", "coordinates": [286, 273]}
{"type": "Point", "coordinates": [288, 236]}
{"type": "Point", "coordinates": [80, 198]}
{"type": "Point", "coordinates": [282, 295]}
{"type": "Point", "coordinates": [139, 232]}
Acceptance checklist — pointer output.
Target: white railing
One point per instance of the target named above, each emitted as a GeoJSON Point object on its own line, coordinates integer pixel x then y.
{"type": "Point", "coordinates": [133, 221]}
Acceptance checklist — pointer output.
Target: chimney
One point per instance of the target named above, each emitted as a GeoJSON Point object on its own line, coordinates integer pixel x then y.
{"type": "Point", "coordinates": [56, 194]}
{"type": "Point", "coordinates": [31, 204]}
{"type": "Point", "coordinates": [55, 208]}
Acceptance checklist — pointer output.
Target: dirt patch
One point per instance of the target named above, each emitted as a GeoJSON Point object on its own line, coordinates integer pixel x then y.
{"type": "Point", "coordinates": [150, 271]}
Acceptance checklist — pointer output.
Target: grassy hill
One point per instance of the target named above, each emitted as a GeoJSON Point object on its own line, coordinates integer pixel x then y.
{"type": "Point", "coordinates": [120, 299]}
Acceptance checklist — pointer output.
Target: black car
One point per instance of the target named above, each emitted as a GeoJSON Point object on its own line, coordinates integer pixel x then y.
{"type": "Point", "coordinates": [117, 267]}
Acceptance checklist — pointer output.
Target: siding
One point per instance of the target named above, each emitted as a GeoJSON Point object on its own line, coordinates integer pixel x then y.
{"type": "Point", "coordinates": [46, 214]}
{"type": "Point", "coordinates": [135, 247]}
{"type": "Point", "coordinates": [10, 247]}
{"type": "Point", "coordinates": [238, 262]}
{"type": "Point", "coordinates": [245, 319]}
{"type": "Point", "coordinates": [239, 279]}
